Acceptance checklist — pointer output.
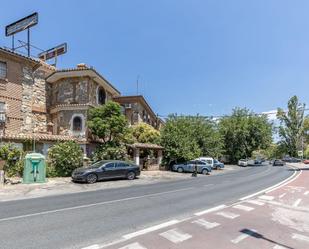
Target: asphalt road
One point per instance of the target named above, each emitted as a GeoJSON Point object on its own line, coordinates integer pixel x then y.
{"type": "Point", "coordinates": [82, 219]}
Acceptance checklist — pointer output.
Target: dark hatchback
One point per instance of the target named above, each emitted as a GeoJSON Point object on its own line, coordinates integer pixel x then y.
{"type": "Point", "coordinates": [106, 170]}
{"type": "Point", "coordinates": [277, 162]}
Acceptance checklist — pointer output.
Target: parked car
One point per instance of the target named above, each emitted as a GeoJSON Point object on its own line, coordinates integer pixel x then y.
{"type": "Point", "coordinates": [106, 169]}
{"type": "Point", "coordinates": [217, 164]}
{"type": "Point", "coordinates": [306, 161]}
{"type": "Point", "coordinates": [243, 162]}
{"type": "Point", "coordinates": [202, 167]}
{"type": "Point", "coordinates": [278, 162]}
{"type": "Point", "coordinates": [214, 163]}
{"type": "Point", "coordinates": [291, 159]}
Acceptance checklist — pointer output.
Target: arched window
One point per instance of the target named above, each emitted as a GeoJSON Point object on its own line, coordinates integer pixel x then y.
{"type": "Point", "coordinates": [77, 124]}
{"type": "Point", "coordinates": [101, 96]}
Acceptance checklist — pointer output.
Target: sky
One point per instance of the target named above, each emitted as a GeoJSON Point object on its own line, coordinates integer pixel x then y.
{"type": "Point", "coordinates": [190, 56]}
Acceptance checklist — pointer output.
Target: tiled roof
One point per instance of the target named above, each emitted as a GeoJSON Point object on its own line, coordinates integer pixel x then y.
{"type": "Point", "coordinates": [146, 146]}
{"type": "Point", "coordinates": [83, 69]}
{"type": "Point", "coordinates": [38, 136]}
{"type": "Point", "coordinates": [35, 60]}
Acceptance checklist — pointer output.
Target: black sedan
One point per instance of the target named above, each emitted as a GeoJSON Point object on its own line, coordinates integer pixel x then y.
{"type": "Point", "coordinates": [107, 169]}
{"type": "Point", "coordinates": [278, 163]}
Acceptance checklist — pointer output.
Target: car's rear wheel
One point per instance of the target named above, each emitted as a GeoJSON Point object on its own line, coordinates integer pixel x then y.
{"type": "Point", "coordinates": [131, 176]}
{"type": "Point", "coordinates": [205, 172]}
{"type": "Point", "coordinates": [180, 170]}
{"type": "Point", "coordinates": [91, 178]}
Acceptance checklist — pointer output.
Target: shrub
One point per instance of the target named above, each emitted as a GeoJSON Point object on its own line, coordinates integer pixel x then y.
{"type": "Point", "coordinates": [63, 158]}
{"type": "Point", "coordinates": [13, 157]}
{"type": "Point", "coordinates": [110, 151]}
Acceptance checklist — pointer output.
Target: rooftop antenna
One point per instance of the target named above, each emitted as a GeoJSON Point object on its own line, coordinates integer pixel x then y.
{"type": "Point", "coordinates": [137, 84]}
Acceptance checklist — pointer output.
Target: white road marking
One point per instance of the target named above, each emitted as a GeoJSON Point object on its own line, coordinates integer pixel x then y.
{"type": "Point", "coordinates": [243, 207]}
{"type": "Point", "coordinates": [280, 196]}
{"type": "Point", "coordinates": [296, 203]}
{"type": "Point", "coordinates": [206, 224]}
{"type": "Point", "coordinates": [150, 229]}
{"type": "Point", "coordinates": [243, 236]}
{"type": "Point", "coordinates": [300, 237]}
{"type": "Point", "coordinates": [92, 247]}
{"type": "Point", "coordinates": [274, 187]}
{"type": "Point", "coordinates": [133, 246]}
{"type": "Point", "coordinates": [266, 197]}
{"type": "Point", "coordinates": [228, 215]}
{"type": "Point", "coordinates": [208, 185]}
{"type": "Point", "coordinates": [306, 193]}
{"type": "Point", "coordinates": [256, 202]}
{"type": "Point", "coordinates": [279, 247]}
{"type": "Point", "coordinates": [210, 210]}
{"type": "Point", "coordinates": [176, 235]}
{"type": "Point", "coordinates": [92, 204]}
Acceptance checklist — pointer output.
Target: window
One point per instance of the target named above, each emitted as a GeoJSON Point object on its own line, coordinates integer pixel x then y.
{"type": "Point", "coordinates": [109, 166]}
{"type": "Point", "coordinates": [77, 124]}
{"type": "Point", "coordinates": [2, 112]}
{"type": "Point", "coordinates": [121, 165]}
{"type": "Point", "coordinates": [3, 70]}
{"type": "Point", "coordinates": [101, 96]}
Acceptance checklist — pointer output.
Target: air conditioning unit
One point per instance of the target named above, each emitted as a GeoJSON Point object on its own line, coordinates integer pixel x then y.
{"type": "Point", "coordinates": [127, 106]}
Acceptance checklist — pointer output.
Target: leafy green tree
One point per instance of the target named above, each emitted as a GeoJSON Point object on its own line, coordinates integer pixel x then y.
{"type": "Point", "coordinates": [291, 127]}
{"type": "Point", "coordinates": [145, 133]}
{"type": "Point", "coordinates": [187, 137]}
{"type": "Point", "coordinates": [306, 130]}
{"type": "Point", "coordinates": [243, 132]}
{"type": "Point", "coordinates": [306, 152]}
{"type": "Point", "coordinates": [64, 157]}
{"type": "Point", "coordinates": [107, 122]}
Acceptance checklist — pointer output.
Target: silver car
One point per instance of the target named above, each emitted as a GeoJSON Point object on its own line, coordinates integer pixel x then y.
{"type": "Point", "coordinates": [202, 167]}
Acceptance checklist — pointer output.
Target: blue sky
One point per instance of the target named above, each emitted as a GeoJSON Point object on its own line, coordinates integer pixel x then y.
{"type": "Point", "coordinates": [192, 56]}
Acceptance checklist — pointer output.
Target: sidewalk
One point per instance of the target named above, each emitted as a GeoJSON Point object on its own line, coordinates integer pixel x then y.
{"type": "Point", "coordinates": [64, 185]}
{"type": "Point", "coordinates": [276, 220]}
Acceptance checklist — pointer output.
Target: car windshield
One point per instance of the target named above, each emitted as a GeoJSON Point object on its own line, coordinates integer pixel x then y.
{"type": "Point", "coordinates": [98, 164]}
{"type": "Point", "coordinates": [216, 161]}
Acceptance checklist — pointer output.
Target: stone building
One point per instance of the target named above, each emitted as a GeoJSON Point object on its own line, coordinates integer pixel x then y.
{"type": "Point", "coordinates": [137, 110]}
{"type": "Point", "coordinates": [42, 104]}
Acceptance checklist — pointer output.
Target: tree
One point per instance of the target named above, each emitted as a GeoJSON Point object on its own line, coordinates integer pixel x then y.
{"type": "Point", "coordinates": [145, 133]}
{"type": "Point", "coordinates": [109, 124]}
{"type": "Point", "coordinates": [306, 130]}
{"type": "Point", "coordinates": [188, 137]}
{"type": "Point", "coordinates": [291, 127]}
{"type": "Point", "coordinates": [64, 157]}
{"type": "Point", "coordinates": [243, 132]}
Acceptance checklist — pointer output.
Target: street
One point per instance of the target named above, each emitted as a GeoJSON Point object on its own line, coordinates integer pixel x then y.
{"type": "Point", "coordinates": [98, 217]}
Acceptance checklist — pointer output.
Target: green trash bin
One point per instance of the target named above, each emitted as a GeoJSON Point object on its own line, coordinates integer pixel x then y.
{"type": "Point", "coordinates": [34, 168]}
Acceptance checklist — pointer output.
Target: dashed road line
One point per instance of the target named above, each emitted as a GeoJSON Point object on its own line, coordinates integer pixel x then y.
{"type": "Point", "coordinates": [279, 247]}
{"type": "Point", "coordinates": [297, 202]}
{"type": "Point", "coordinates": [282, 195]}
{"type": "Point", "coordinates": [206, 224]}
{"type": "Point", "coordinates": [210, 210]}
{"type": "Point", "coordinates": [266, 197]}
{"type": "Point", "coordinates": [243, 207]}
{"type": "Point", "coordinates": [135, 245]}
{"type": "Point", "coordinates": [175, 235]}
{"type": "Point", "coordinates": [150, 229]}
{"type": "Point", "coordinates": [92, 247]}
{"type": "Point", "coordinates": [228, 215]}
{"type": "Point", "coordinates": [300, 237]}
{"type": "Point", "coordinates": [306, 193]}
{"type": "Point", "coordinates": [256, 202]}
{"type": "Point", "coordinates": [243, 236]}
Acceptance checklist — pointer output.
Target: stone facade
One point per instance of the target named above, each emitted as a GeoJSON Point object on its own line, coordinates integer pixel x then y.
{"type": "Point", "coordinates": [51, 105]}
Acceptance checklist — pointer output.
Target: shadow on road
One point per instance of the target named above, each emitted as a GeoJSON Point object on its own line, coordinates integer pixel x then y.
{"type": "Point", "coordinates": [260, 236]}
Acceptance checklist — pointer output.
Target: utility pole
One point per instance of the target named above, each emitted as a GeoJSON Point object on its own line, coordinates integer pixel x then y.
{"type": "Point", "coordinates": [137, 84]}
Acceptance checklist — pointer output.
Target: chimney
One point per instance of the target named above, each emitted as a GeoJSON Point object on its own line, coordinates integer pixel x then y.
{"type": "Point", "coordinates": [82, 66]}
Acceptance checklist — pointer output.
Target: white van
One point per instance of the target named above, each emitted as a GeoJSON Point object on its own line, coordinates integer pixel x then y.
{"type": "Point", "coordinates": [208, 160]}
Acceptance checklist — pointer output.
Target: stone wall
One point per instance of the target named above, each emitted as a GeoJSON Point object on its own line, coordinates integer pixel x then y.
{"type": "Point", "coordinates": [33, 100]}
